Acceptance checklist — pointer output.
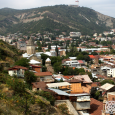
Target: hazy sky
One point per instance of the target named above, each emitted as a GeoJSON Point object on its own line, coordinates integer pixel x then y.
{"type": "Point", "coordinates": [106, 7]}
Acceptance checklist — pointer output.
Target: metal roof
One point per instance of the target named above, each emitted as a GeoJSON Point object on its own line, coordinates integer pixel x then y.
{"type": "Point", "coordinates": [106, 86]}
{"type": "Point", "coordinates": [58, 84]}
{"type": "Point", "coordinates": [60, 92]}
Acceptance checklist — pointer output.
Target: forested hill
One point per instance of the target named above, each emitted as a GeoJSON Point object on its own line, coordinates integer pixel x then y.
{"type": "Point", "coordinates": [60, 18]}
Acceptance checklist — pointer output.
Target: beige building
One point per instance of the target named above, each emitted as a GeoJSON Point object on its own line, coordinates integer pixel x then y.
{"type": "Point", "coordinates": [30, 47]}
{"type": "Point", "coordinates": [31, 54]}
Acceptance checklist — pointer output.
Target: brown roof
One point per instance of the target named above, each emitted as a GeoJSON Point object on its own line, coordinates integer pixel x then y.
{"type": "Point", "coordinates": [35, 66]}
{"type": "Point", "coordinates": [18, 67]}
{"type": "Point", "coordinates": [94, 84]}
{"type": "Point", "coordinates": [74, 81]}
{"type": "Point", "coordinates": [43, 74]}
{"type": "Point", "coordinates": [96, 107]}
{"type": "Point", "coordinates": [65, 60]}
{"type": "Point", "coordinates": [42, 85]}
{"type": "Point", "coordinates": [39, 84]}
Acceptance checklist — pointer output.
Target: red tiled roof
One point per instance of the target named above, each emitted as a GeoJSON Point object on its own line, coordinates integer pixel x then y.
{"type": "Point", "coordinates": [43, 74]}
{"type": "Point", "coordinates": [67, 77]}
{"type": "Point", "coordinates": [92, 56]}
{"type": "Point", "coordinates": [96, 107]}
{"type": "Point", "coordinates": [80, 61]}
{"type": "Point", "coordinates": [18, 67]}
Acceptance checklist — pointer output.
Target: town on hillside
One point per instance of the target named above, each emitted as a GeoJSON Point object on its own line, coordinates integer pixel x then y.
{"type": "Point", "coordinates": [74, 74]}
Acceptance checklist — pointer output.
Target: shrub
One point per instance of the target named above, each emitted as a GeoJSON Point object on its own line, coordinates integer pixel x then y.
{"type": "Point", "coordinates": [63, 108]}
{"type": "Point", "coordinates": [47, 96]}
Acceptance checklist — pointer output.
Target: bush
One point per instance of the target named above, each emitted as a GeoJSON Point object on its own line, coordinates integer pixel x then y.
{"type": "Point", "coordinates": [63, 109]}
{"type": "Point", "coordinates": [47, 96]}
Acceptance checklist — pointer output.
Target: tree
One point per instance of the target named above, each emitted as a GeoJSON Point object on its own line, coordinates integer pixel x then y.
{"type": "Point", "coordinates": [94, 53]}
{"type": "Point", "coordinates": [44, 68]}
{"type": "Point", "coordinates": [29, 77]}
{"type": "Point", "coordinates": [44, 57]}
{"type": "Point", "coordinates": [22, 62]}
{"type": "Point", "coordinates": [56, 50]}
{"type": "Point", "coordinates": [49, 46]}
{"type": "Point", "coordinates": [107, 81]}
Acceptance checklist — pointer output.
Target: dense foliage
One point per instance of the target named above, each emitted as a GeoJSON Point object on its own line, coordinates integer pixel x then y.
{"type": "Point", "coordinates": [22, 62]}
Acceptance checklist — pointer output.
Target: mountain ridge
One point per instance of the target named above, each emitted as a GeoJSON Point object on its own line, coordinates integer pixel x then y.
{"type": "Point", "coordinates": [60, 17]}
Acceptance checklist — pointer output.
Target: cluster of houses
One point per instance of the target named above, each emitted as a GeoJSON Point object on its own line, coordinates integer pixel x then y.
{"type": "Point", "coordinates": [75, 90]}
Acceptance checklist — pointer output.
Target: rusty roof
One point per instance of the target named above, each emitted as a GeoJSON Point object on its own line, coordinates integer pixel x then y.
{"type": "Point", "coordinates": [96, 107]}
{"type": "Point", "coordinates": [18, 67]}
{"type": "Point", "coordinates": [43, 74]}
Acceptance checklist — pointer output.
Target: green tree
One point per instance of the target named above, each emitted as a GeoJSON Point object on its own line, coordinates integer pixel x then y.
{"type": "Point", "coordinates": [44, 57]}
{"type": "Point", "coordinates": [56, 50]}
{"type": "Point", "coordinates": [49, 46]}
{"type": "Point", "coordinates": [29, 77]}
{"type": "Point", "coordinates": [107, 81]}
{"type": "Point", "coordinates": [22, 62]}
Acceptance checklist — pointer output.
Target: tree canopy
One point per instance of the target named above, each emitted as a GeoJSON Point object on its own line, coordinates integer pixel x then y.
{"type": "Point", "coordinates": [22, 62]}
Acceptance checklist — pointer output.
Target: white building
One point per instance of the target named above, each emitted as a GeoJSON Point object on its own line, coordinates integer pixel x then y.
{"type": "Point", "coordinates": [75, 34]}
{"type": "Point", "coordinates": [17, 70]}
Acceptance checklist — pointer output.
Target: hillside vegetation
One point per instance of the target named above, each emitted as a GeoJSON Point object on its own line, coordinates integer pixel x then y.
{"type": "Point", "coordinates": [8, 53]}
{"type": "Point", "coordinates": [60, 18]}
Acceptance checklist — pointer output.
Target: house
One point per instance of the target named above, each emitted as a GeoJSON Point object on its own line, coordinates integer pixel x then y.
{"type": "Point", "coordinates": [84, 78]}
{"type": "Point", "coordinates": [38, 86]}
{"type": "Point", "coordinates": [109, 104]}
{"type": "Point", "coordinates": [17, 70]}
{"type": "Point", "coordinates": [36, 68]}
{"type": "Point", "coordinates": [106, 88]}
{"type": "Point", "coordinates": [45, 76]}
{"type": "Point", "coordinates": [94, 58]}
{"type": "Point", "coordinates": [61, 91]}
{"type": "Point", "coordinates": [80, 100]}
{"type": "Point", "coordinates": [111, 96]}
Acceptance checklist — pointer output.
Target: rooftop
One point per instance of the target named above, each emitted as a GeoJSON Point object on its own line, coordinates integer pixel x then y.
{"type": "Point", "coordinates": [18, 67]}
{"type": "Point", "coordinates": [43, 74]}
{"type": "Point", "coordinates": [96, 107]}
{"type": "Point", "coordinates": [58, 84]}
{"type": "Point", "coordinates": [106, 86]}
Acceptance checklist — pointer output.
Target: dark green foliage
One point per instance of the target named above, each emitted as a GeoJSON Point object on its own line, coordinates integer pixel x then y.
{"type": "Point", "coordinates": [94, 53]}
{"type": "Point", "coordinates": [29, 77]}
{"type": "Point", "coordinates": [44, 68]}
{"type": "Point", "coordinates": [17, 85]}
{"type": "Point", "coordinates": [107, 81]}
{"type": "Point", "coordinates": [56, 50]}
{"type": "Point", "coordinates": [55, 59]}
{"type": "Point", "coordinates": [44, 57]}
{"type": "Point", "coordinates": [106, 43]}
{"type": "Point", "coordinates": [22, 62]}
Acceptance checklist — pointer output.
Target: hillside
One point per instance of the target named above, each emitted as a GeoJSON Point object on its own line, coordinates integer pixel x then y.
{"type": "Point", "coordinates": [8, 53]}
{"type": "Point", "coordinates": [57, 19]}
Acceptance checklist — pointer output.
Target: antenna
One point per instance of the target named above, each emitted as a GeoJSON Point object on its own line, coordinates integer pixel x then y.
{"type": "Point", "coordinates": [77, 3]}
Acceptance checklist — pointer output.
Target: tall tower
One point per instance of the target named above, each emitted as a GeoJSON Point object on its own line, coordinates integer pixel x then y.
{"type": "Point", "coordinates": [30, 47]}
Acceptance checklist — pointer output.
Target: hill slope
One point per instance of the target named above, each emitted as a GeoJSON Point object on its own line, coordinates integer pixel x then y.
{"type": "Point", "coordinates": [8, 53]}
{"type": "Point", "coordinates": [54, 19]}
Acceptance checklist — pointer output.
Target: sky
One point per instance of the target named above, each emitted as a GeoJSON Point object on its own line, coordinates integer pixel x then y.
{"type": "Point", "coordinates": [106, 7]}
